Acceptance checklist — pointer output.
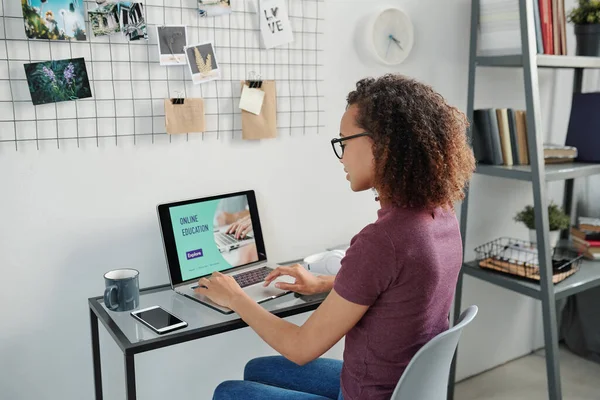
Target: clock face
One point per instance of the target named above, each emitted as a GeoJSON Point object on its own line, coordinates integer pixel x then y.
{"type": "Point", "coordinates": [393, 36]}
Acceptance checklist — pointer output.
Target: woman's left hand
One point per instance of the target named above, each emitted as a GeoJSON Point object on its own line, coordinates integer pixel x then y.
{"type": "Point", "coordinates": [222, 289]}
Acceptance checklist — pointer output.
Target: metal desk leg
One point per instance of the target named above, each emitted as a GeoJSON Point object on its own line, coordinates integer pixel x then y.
{"type": "Point", "coordinates": [130, 377]}
{"type": "Point", "coordinates": [96, 355]}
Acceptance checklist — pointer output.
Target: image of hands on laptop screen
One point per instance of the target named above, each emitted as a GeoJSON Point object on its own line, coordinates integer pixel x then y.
{"type": "Point", "coordinates": [213, 236]}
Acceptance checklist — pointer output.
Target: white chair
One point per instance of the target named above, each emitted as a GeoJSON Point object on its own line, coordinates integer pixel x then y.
{"type": "Point", "coordinates": [426, 376]}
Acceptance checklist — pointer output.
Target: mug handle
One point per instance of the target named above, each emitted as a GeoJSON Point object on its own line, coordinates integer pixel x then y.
{"type": "Point", "coordinates": [108, 295]}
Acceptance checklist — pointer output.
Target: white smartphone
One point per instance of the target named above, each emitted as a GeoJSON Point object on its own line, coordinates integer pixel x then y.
{"type": "Point", "coordinates": [158, 319]}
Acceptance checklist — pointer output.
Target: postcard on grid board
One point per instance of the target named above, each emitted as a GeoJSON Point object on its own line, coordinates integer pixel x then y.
{"type": "Point", "coordinates": [54, 20]}
{"type": "Point", "coordinates": [172, 40]}
{"type": "Point", "coordinates": [275, 25]}
{"type": "Point", "coordinates": [203, 63]}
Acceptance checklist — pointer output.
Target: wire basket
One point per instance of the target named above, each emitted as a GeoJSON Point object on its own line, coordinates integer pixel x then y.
{"type": "Point", "coordinates": [520, 258]}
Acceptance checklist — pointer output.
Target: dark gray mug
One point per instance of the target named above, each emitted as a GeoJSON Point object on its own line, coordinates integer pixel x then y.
{"type": "Point", "coordinates": [122, 291]}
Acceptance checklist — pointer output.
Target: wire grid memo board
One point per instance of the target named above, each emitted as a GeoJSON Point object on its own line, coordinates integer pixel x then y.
{"type": "Point", "coordinates": [129, 85]}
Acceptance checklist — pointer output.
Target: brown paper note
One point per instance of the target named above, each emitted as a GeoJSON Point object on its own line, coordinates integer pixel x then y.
{"type": "Point", "coordinates": [264, 125]}
{"type": "Point", "coordinates": [184, 118]}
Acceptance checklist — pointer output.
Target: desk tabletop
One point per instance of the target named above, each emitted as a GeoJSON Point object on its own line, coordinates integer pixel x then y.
{"type": "Point", "coordinates": [133, 337]}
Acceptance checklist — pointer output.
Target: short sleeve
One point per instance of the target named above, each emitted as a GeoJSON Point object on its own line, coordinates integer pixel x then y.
{"type": "Point", "coordinates": [368, 268]}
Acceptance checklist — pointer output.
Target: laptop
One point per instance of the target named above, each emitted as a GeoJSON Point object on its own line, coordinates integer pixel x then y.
{"type": "Point", "coordinates": [197, 243]}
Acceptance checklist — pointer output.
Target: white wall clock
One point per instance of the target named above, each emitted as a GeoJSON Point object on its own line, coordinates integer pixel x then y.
{"type": "Point", "coordinates": [389, 36]}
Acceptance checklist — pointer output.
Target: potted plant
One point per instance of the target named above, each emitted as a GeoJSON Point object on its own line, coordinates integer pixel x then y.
{"type": "Point", "coordinates": [586, 18]}
{"type": "Point", "coordinates": [557, 219]}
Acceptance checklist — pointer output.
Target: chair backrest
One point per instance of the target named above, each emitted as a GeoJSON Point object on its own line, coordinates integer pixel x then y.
{"type": "Point", "coordinates": [426, 376]}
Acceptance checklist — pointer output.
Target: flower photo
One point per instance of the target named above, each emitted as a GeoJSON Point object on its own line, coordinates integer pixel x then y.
{"type": "Point", "coordinates": [203, 63]}
{"type": "Point", "coordinates": [58, 80]}
{"type": "Point", "coordinates": [54, 19]}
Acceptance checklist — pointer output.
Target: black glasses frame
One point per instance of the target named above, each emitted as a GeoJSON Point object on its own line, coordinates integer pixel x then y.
{"type": "Point", "coordinates": [341, 141]}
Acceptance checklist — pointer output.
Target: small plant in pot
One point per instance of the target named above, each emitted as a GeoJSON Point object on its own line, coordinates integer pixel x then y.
{"type": "Point", "coordinates": [557, 219]}
{"type": "Point", "coordinates": [586, 18]}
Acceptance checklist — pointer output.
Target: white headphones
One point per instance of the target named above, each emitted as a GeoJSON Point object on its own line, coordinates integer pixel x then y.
{"type": "Point", "coordinates": [327, 263]}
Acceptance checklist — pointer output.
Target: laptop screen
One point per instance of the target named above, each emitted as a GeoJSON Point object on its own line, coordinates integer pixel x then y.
{"type": "Point", "coordinates": [211, 234]}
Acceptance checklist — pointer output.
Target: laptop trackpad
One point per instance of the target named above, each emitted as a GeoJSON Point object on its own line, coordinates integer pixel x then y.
{"type": "Point", "coordinates": [260, 293]}
{"type": "Point", "coordinates": [257, 292]}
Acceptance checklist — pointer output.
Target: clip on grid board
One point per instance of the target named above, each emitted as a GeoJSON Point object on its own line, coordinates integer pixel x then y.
{"type": "Point", "coordinates": [129, 85]}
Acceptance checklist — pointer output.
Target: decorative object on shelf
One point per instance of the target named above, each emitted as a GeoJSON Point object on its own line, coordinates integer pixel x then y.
{"type": "Point", "coordinates": [520, 258]}
{"type": "Point", "coordinates": [213, 8]}
{"type": "Point", "coordinates": [104, 20]}
{"type": "Point", "coordinates": [172, 40]}
{"type": "Point", "coordinates": [275, 26]}
{"type": "Point", "coordinates": [388, 36]}
{"type": "Point", "coordinates": [263, 125]}
{"type": "Point", "coordinates": [586, 18]}
{"type": "Point", "coordinates": [557, 220]}
{"type": "Point", "coordinates": [584, 125]}
{"type": "Point", "coordinates": [58, 80]}
{"type": "Point", "coordinates": [203, 63]}
{"type": "Point", "coordinates": [184, 115]}
{"type": "Point", "coordinates": [54, 20]}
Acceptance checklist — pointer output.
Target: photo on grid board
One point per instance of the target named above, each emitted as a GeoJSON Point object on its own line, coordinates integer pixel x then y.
{"type": "Point", "coordinates": [104, 20]}
{"type": "Point", "coordinates": [213, 8]}
{"type": "Point", "coordinates": [54, 19]}
{"type": "Point", "coordinates": [172, 40]}
{"type": "Point", "coordinates": [275, 27]}
{"type": "Point", "coordinates": [133, 21]}
{"type": "Point", "coordinates": [58, 80]}
{"type": "Point", "coordinates": [202, 62]}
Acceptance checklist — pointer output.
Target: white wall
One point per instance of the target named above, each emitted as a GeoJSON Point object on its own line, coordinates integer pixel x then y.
{"type": "Point", "coordinates": [69, 215]}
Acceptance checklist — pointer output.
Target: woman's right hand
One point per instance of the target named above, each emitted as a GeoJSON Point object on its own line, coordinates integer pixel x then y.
{"type": "Point", "coordinates": [306, 283]}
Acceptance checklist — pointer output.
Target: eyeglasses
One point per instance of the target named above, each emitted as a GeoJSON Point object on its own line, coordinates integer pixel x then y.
{"type": "Point", "coordinates": [338, 143]}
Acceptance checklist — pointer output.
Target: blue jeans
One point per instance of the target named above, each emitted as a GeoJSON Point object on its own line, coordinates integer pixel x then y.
{"type": "Point", "coordinates": [276, 378]}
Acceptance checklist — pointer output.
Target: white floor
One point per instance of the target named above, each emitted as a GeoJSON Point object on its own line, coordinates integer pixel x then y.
{"type": "Point", "coordinates": [525, 378]}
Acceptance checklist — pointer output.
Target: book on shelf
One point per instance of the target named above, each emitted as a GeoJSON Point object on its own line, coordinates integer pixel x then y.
{"type": "Point", "coordinates": [486, 139]}
{"type": "Point", "coordinates": [585, 234]}
{"type": "Point", "coordinates": [587, 243]}
{"type": "Point", "coordinates": [584, 125]}
{"type": "Point", "coordinates": [522, 137]}
{"type": "Point", "coordinates": [500, 138]}
{"type": "Point", "coordinates": [504, 130]}
{"type": "Point", "coordinates": [555, 153]}
{"type": "Point", "coordinates": [500, 27]}
{"type": "Point", "coordinates": [590, 250]}
{"type": "Point", "coordinates": [514, 141]}
{"type": "Point", "coordinates": [589, 224]}
{"type": "Point", "coordinates": [586, 237]}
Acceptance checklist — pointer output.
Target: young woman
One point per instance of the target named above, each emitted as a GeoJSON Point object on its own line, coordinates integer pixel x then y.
{"type": "Point", "coordinates": [396, 284]}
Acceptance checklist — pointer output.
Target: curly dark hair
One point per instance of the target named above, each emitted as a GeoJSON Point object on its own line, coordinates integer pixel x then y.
{"type": "Point", "coordinates": [422, 155]}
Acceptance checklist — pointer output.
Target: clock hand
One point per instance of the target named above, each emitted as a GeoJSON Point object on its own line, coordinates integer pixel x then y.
{"type": "Point", "coordinates": [388, 48]}
{"type": "Point", "coordinates": [396, 41]}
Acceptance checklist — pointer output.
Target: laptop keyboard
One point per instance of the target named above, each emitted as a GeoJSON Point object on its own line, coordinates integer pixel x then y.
{"type": "Point", "coordinates": [225, 239]}
{"type": "Point", "coordinates": [252, 277]}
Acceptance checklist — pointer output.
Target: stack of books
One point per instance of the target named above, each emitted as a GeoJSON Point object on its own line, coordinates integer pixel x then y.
{"type": "Point", "coordinates": [586, 237]}
{"type": "Point", "coordinates": [500, 138]}
{"type": "Point", "coordinates": [500, 29]}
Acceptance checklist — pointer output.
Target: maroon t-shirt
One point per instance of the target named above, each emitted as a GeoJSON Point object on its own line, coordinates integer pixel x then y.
{"type": "Point", "coordinates": [404, 266]}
